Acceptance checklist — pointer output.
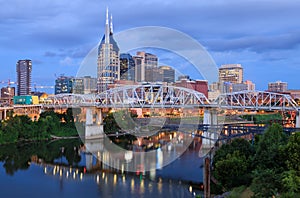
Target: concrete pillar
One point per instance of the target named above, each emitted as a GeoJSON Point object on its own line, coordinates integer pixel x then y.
{"type": "Point", "coordinates": [206, 117]}
{"type": "Point", "coordinates": [210, 134]}
{"type": "Point", "coordinates": [298, 119]}
{"type": "Point", "coordinates": [99, 117]}
{"type": "Point", "coordinates": [93, 130]}
{"type": "Point", "coordinates": [89, 116]}
{"type": "Point", "coordinates": [89, 161]}
{"type": "Point", "coordinates": [210, 117]}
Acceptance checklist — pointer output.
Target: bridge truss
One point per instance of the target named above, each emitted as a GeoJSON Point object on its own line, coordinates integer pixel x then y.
{"type": "Point", "coordinates": [161, 96]}
{"type": "Point", "coordinates": [151, 96]}
{"type": "Point", "coordinates": [256, 100]}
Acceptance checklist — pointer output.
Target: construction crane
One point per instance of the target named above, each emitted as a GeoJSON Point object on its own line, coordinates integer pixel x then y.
{"type": "Point", "coordinates": [8, 82]}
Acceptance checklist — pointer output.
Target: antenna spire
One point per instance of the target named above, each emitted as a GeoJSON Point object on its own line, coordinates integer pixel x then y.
{"type": "Point", "coordinates": [111, 24]}
{"type": "Point", "coordinates": [106, 15]}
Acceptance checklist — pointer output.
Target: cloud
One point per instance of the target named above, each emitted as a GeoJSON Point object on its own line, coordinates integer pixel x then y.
{"type": "Point", "coordinates": [256, 43]}
{"type": "Point", "coordinates": [37, 62]}
{"type": "Point", "coordinates": [67, 61]}
{"type": "Point", "coordinates": [50, 54]}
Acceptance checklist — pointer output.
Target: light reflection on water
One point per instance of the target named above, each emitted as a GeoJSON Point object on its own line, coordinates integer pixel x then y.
{"type": "Point", "coordinates": [59, 179]}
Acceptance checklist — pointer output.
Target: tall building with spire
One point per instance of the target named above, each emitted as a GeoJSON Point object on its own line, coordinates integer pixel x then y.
{"type": "Point", "coordinates": [108, 63]}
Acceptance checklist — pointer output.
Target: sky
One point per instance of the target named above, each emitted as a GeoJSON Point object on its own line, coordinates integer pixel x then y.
{"type": "Point", "coordinates": [263, 36]}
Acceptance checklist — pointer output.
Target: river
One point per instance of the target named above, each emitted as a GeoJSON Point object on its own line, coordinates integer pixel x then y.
{"type": "Point", "coordinates": [64, 168]}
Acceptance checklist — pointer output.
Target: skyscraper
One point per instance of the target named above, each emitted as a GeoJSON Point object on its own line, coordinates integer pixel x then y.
{"type": "Point", "coordinates": [24, 68]}
{"type": "Point", "coordinates": [127, 67]}
{"type": "Point", "coordinates": [147, 68]}
{"type": "Point", "coordinates": [232, 73]}
{"type": "Point", "coordinates": [108, 64]}
{"type": "Point", "coordinates": [167, 74]}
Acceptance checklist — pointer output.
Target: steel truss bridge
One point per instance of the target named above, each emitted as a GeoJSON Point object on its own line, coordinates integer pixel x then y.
{"type": "Point", "coordinates": [161, 96]}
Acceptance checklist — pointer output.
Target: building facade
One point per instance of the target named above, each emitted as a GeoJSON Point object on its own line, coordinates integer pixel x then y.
{"type": "Point", "coordinates": [127, 67]}
{"type": "Point", "coordinates": [24, 69]}
{"type": "Point", "coordinates": [63, 84]}
{"type": "Point", "coordinates": [197, 85]}
{"type": "Point", "coordinates": [167, 74]}
{"type": "Point", "coordinates": [232, 73]}
{"type": "Point", "coordinates": [89, 84]}
{"type": "Point", "coordinates": [146, 67]}
{"type": "Point", "coordinates": [108, 63]}
{"type": "Point", "coordinates": [277, 86]}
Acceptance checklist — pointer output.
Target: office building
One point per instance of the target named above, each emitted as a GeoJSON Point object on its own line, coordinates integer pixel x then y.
{"type": "Point", "coordinates": [7, 94]}
{"type": "Point", "coordinates": [250, 85]}
{"type": "Point", "coordinates": [24, 69]}
{"type": "Point", "coordinates": [146, 67]}
{"type": "Point", "coordinates": [77, 85]}
{"type": "Point", "coordinates": [139, 69]}
{"type": "Point", "coordinates": [277, 86]}
{"type": "Point", "coordinates": [127, 67]}
{"type": "Point", "coordinates": [167, 74]}
{"type": "Point", "coordinates": [197, 85]}
{"type": "Point", "coordinates": [64, 84]}
{"type": "Point", "coordinates": [108, 63]}
{"type": "Point", "coordinates": [89, 84]}
{"type": "Point", "coordinates": [232, 73]}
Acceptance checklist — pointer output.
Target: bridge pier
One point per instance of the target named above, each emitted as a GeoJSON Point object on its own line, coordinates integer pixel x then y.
{"type": "Point", "coordinates": [298, 119]}
{"type": "Point", "coordinates": [95, 148]}
{"type": "Point", "coordinates": [93, 130]}
{"type": "Point", "coordinates": [210, 119]}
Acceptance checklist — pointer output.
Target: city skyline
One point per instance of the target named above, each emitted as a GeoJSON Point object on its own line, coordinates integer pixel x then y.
{"type": "Point", "coordinates": [263, 38]}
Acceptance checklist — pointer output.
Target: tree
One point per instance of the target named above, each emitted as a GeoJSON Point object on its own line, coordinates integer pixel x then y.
{"type": "Point", "coordinates": [292, 151]}
{"type": "Point", "coordinates": [291, 177]}
{"type": "Point", "coordinates": [233, 163]}
{"type": "Point", "coordinates": [232, 171]}
{"type": "Point", "coordinates": [269, 162]}
{"type": "Point", "coordinates": [266, 183]}
{"type": "Point", "coordinates": [269, 152]}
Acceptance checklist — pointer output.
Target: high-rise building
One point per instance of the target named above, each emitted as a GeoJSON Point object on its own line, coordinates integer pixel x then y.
{"type": "Point", "coordinates": [232, 73]}
{"type": "Point", "coordinates": [277, 86]}
{"type": "Point", "coordinates": [24, 68]}
{"type": "Point", "coordinates": [167, 74]}
{"type": "Point", "coordinates": [77, 85]}
{"type": "Point", "coordinates": [139, 69]}
{"type": "Point", "coordinates": [250, 85]}
{"type": "Point", "coordinates": [63, 84]}
{"type": "Point", "coordinates": [108, 64]}
{"type": "Point", "coordinates": [127, 67]}
{"type": "Point", "coordinates": [90, 84]}
{"type": "Point", "coordinates": [146, 67]}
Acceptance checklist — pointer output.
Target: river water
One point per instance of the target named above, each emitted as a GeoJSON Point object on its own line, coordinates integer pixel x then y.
{"type": "Point", "coordinates": [64, 168]}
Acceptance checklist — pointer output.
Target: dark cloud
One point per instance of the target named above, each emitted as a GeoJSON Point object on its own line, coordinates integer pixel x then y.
{"type": "Point", "coordinates": [258, 43]}
{"type": "Point", "coordinates": [50, 54]}
{"type": "Point", "coordinates": [37, 62]}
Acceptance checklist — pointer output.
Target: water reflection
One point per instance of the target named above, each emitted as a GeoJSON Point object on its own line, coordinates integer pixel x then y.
{"type": "Point", "coordinates": [75, 170]}
{"type": "Point", "coordinates": [140, 155]}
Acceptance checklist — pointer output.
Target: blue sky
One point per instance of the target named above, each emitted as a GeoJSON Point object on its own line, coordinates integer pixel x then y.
{"type": "Point", "coordinates": [263, 36]}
